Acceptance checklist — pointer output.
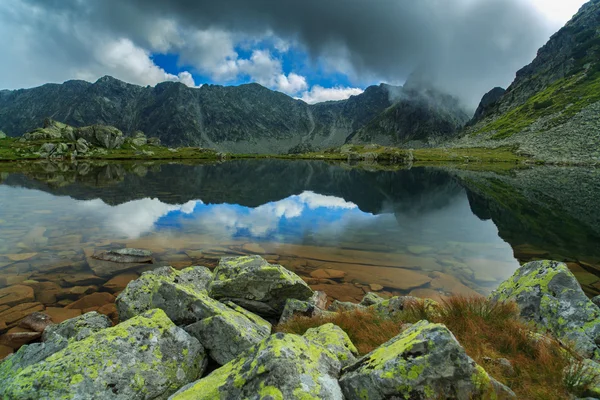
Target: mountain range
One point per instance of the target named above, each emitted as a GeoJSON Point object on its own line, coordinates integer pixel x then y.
{"type": "Point", "coordinates": [242, 119]}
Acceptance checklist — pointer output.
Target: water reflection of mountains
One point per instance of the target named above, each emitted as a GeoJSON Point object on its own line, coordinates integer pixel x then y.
{"type": "Point", "coordinates": [553, 209]}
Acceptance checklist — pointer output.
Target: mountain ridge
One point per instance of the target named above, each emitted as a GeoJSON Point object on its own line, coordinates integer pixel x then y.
{"type": "Point", "coordinates": [245, 118]}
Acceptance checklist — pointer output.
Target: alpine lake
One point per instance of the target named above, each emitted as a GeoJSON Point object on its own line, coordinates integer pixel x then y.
{"type": "Point", "coordinates": [345, 229]}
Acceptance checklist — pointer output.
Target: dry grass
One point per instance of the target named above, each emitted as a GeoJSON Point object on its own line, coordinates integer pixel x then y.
{"type": "Point", "coordinates": [484, 329]}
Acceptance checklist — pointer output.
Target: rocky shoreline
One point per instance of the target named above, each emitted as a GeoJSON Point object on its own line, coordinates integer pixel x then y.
{"type": "Point", "coordinates": [195, 334]}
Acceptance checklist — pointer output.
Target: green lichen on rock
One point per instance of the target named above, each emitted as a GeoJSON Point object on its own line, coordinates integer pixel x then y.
{"type": "Point", "coordinates": [146, 357]}
{"type": "Point", "coordinates": [371, 299]}
{"type": "Point", "coordinates": [228, 334]}
{"type": "Point", "coordinates": [256, 285]}
{"type": "Point", "coordinates": [283, 366]}
{"type": "Point", "coordinates": [334, 339]}
{"type": "Point", "coordinates": [181, 294]}
{"type": "Point", "coordinates": [55, 338]}
{"type": "Point", "coordinates": [423, 362]}
{"type": "Point", "coordinates": [548, 294]}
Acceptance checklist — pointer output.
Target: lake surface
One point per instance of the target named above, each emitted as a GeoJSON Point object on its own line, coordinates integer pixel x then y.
{"type": "Point", "coordinates": [424, 231]}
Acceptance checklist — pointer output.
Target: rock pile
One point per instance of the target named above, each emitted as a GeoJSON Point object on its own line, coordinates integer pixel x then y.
{"type": "Point", "coordinates": [174, 321]}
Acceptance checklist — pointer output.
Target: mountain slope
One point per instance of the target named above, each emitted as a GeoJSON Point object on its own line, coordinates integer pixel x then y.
{"type": "Point", "coordinates": [551, 108]}
{"type": "Point", "coordinates": [242, 119]}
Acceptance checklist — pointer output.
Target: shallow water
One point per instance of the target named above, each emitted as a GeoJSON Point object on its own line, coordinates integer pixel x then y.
{"type": "Point", "coordinates": [425, 232]}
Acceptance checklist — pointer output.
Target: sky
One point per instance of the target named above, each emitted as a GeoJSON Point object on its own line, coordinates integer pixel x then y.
{"type": "Point", "coordinates": [314, 50]}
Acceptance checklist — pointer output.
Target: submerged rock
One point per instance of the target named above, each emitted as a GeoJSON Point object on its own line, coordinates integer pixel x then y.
{"type": "Point", "coordinates": [146, 357]}
{"type": "Point", "coordinates": [548, 294]}
{"type": "Point", "coordinates": [283, 366]}
{"type": "Point", "coordinates": [423, 362]}
{"type": "Point", "coordinates": [181, 294]}
{"type": "Point", "coordinates": [334, 339]}
{"type": "Point", "coordinates": [36, 321]}
{"type": "Point", "coordinates": [125, 255]}
{"type": "Point", "coordinates": [256, 285]}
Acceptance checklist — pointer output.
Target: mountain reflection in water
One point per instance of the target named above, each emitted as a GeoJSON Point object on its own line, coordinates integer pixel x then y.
{"type": "Point", "coordinates": [427, 232]}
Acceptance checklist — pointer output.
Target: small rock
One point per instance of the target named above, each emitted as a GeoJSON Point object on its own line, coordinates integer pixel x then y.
{"type": "Point", "coordinates": [502, 362]}
{"type": "Point", "coordinates": [137, 256]}
{"type": "Point", "coordinates": [14, 314]}
{"type": "Point", "coordinates": [18, 339]}
{"type": "Point", "coordinates": [334, 339]}
{"type": "Point", "coordinates": [337, 306]}
{"type": "Point", "coordinates": [371, 299]}
{"type": "Point", "coordinates": [36, 321]}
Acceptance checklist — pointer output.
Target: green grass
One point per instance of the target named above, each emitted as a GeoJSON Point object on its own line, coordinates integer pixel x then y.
{"type": "Point", "coordinates": [564, 98]}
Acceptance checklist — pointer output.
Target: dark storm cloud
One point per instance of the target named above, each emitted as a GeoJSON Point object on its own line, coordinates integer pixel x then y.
{"type": "Point", "coordinates": [466, 46]}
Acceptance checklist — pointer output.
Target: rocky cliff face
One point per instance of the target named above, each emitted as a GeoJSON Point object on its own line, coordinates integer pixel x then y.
{"type": "Point", "coordinates": [551, 108]}
{"type": "Point", "coordinates": [246, 118]}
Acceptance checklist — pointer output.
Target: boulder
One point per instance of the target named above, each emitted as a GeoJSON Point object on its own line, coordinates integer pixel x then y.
{"type": "Point", "coordinates": [181, 294]}
{"type": "Point", "coordinates": [107, 137]}
{"type": "Point", "coordinates": [548, 294]}
{"type": "Point", "coordinates": [55, 338]}
{"type": "Point", "coordinates": [596, 300]}
{"type": "Point", "coordinates": [256, 285]}
{"type": "Point", "coordinates": [334, 339]}
{"type": "Point", "coordinates": [226, 335]}
{"type": "Point", "coordinates": [139, 139]}
{"type": "Point", "coordinates": [392, 307]}
{"type": "Point", "coordinates": [82, 146]}
{"type": "Point", "coordinates": [146, 357]}
{"type": "Point", "coordinates": [283, 366]}
{"type": "Point", "coordinates": [423, 362]}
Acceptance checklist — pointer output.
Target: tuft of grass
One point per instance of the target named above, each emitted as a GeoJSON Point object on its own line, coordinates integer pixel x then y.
{"type": "Point", "coordinates": [484, 328]}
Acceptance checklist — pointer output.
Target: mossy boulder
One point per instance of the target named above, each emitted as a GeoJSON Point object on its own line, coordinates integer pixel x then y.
{"type": "Point", "coordinates": [424, 362]}
{"type": "Point", "coordinates": [226, 335]}
{"type": "Point", "coordinates": [181, 294]}
{"type": "Point", "coordinates": [147, 357]}
{"type": "Point", "coordinates": [548, 294]}
{"type": "Point", "coordinates": [283, 366]}
{"type": "Point", "coordinates": [334, 339]}
{"type": "Point", "coordinates": [256, 285]}
{"type": "Point", "coordinates": [55, 338]}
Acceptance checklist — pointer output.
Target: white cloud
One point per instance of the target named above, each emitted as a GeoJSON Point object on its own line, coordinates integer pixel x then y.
{"type": "Point", "coordinates": [134, 218]}
{"type": "Point", "coordinates": [319, 94]}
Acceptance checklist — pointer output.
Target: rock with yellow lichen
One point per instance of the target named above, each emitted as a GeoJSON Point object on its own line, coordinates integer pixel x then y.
{"type": "Point", "coordinates": [181, 294]}
{"type": "Point", "coordinates": [548, 294]}
{"type": "Point", "coordinates": [228, 334]}
{"type": "Point", "coordinates": [55, 338]}
{"type": "Point", "coordinates": [256, 285]}
{"type": "Point", "coordinates": [146, 357]}
{"type": "Point", "coordinates": [283, 366]}
{"type": "Point", "coordinates": [334, 339]}
{"type": "Point", "coordinates": [424, 362]}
